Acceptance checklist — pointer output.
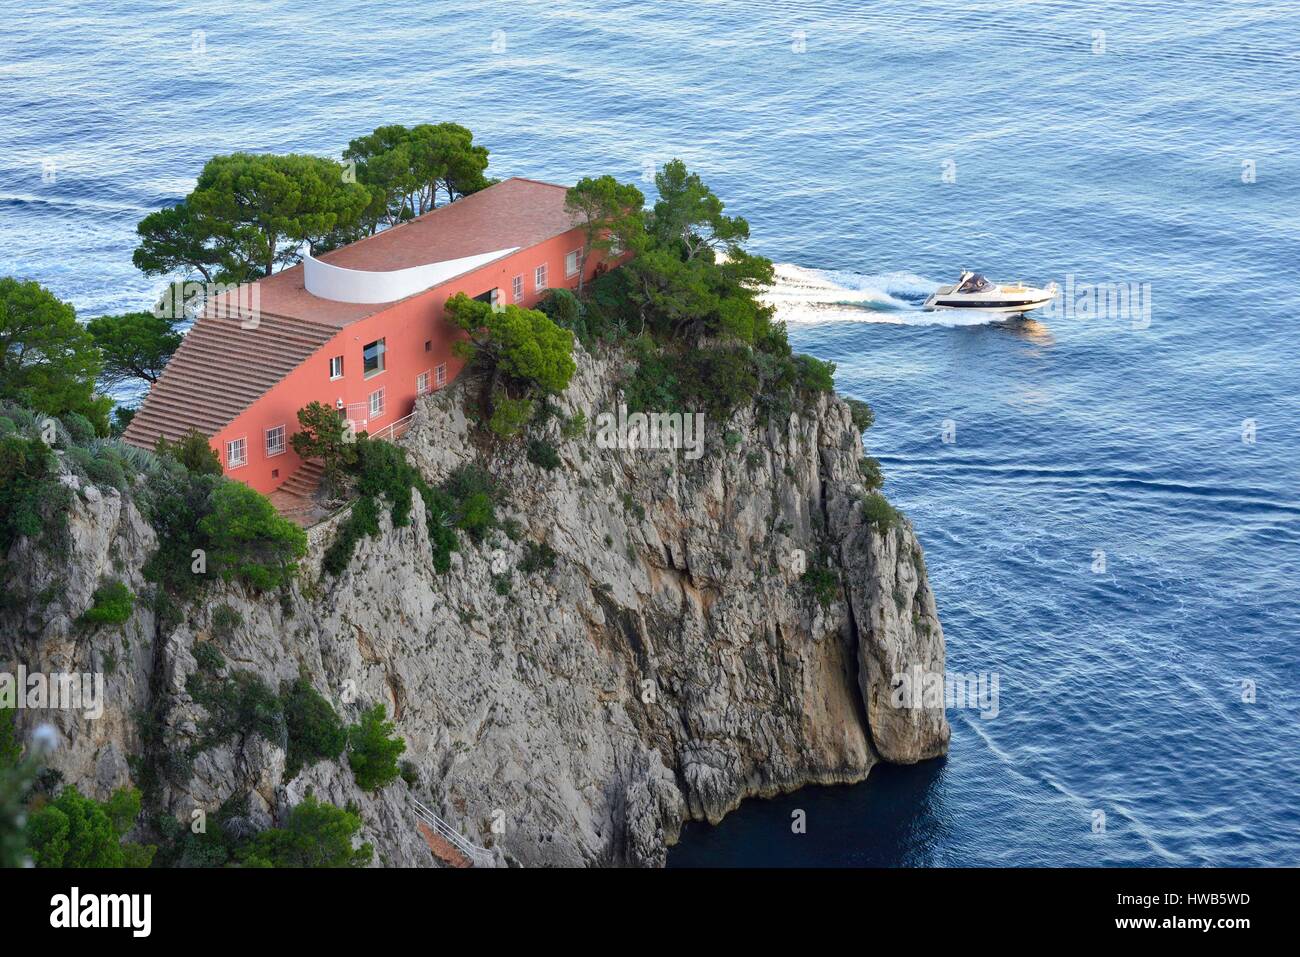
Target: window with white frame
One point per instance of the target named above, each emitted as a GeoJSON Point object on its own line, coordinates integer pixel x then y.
{"type": "Point", "coordinates": [571, 263]}
{"type": "Point", "coordinates": [517, 289]}
{"type": "Point", "coordinates": [336, 367]}
{"type": "Point", "coordinates": [236, 453]}
{"type": "Point", "coordinates": [275, 441]}
{"type": "Point", "coordinates": [539, 277]}
{"type": "Point", "coordinates": [422, 384]}
{"type": "Point", "coordinates": [440, 374]}
{"type": "Point", "coordinates": [377, 403]}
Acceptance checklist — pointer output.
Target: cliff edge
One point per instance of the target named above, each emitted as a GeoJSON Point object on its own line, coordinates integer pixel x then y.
{"type": "Point", "coordinates": [667, 656]}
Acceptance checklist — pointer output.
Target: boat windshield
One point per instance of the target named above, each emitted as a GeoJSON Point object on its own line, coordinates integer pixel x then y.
{"type": "Point", "coordinates": [975, 283]}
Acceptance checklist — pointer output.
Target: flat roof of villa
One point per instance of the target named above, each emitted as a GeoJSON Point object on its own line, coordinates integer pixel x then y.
{"type": "Point", "coordinates": [516, 212]}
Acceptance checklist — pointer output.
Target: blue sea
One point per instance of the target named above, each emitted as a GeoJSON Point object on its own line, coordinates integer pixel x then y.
{"type": "Point", "coordinates": [1109, 502]}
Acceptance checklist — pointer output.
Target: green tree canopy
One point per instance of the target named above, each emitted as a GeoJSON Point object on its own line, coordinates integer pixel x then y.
{"type": "Point", "coordinates": [265, 206]}
{"type": "Point", "coordinates": [48, 361]}
{"type": "Point", "coordinates": [249, 540]}
{"type": "Point", "coordinates": [315, 835]}
{"type": "Point", "coordinates": [192, 450]}
{"type": "Point", "coordinates": [135, 345]}
{"type": "Point", "coordinates": [176, 239]}
{"type": "Point", "coordinates": [690, 214]}
{"type": "Point", "coordinates": [249, 214]}
{"type": "Point", "coordinates": [522, 344]}
{"type": "Point", "coordinates": [324, 437]}
{"type": "Point", "coordinates": [611, 215]}
{"type": "Point", "coordinates": [405, 169]}
{"type": "Point", "coordinates": [77, 831]}
{"type": "Point", "coordinates": [372, 754]}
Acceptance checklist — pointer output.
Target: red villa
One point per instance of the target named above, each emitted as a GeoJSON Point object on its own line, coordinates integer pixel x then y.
{"type": "Point", "coordinates": [360, 329]}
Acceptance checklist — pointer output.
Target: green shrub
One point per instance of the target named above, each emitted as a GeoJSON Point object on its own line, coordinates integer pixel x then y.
{"type": "Point", "coordinates": [538, 556]}
{"type": "Point", "coordinates": [382, 471]}
{"type": "Point", "coordinates": [113, 605]}
{"type": "Point", "coordinates": [823, 583]}
{"type": "Point", "coordinates": [863, 416]}
{"type": "Point", "coordinates": [566, 311]}
{"type": "Point", "coordinates": [250, 542]}
{"type": "Point", "coordinates": [225, 620]}
{"type": "Point", "coordinates": [315, 835]}
{"type": "Point", "coordinates": [372, 754]}
{"type": "Point", "coordinates": [815, 375]}
{"type": "Point", "coordinates": [543, 454]}
{"type": "Point", "coordinates": [471, 494]}
{"type": "Point", "coordinates": [872, 477]}
{"type": "Point", "coordinates": [315, 731]}
{"type": "Point", "coordinates": [240, 703]}
{"type": "Point", "coordinates": [77, 831]}
{"type": "Point", "coordinates": [878, 511]}
{"type": "Point", "coordinates": [177, 502]}
{"type": "Point", "coordinates": [78, 427]}
{"type": "Point", "coordinates": [575, 426]}
{"type": "Point", "coordinates": [192, 450]}
{"type": "Point", "coordinates": [27, 473]}
{"type": "Point", "coordinates": [509, 416]}
{"type": "Point", "coordinates": [11, 748]}
{"type": "Point", "coordinates": [209, 657]}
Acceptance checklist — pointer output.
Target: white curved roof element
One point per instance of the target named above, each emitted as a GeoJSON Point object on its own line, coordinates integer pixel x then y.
{"type": "Point", "coordinates": [367, 286]}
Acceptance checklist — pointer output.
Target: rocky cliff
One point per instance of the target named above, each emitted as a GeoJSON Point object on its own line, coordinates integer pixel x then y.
{"type": "Point", "coordinates": [669, 664]}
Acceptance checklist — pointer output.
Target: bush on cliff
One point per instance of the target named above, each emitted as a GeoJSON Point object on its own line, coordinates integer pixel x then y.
{"type": "Point", "coordinates": [29, 488]}
{"type": "Point", "coordinates": [872, 477]}
{"type": "Point", "coordinates": [316, 834]}
{"type": "Point", "coordinates": [324, 437]}
{"type": "Point", "coordinates": [315, 731]}
{"type": "Point", "coordinates": [77, 831]}
{"type": "Point", "coordinates": [194, 451]}
{"type": "Point", "coordinates": [381, 472]}
{"type": "Point", "coordinates": [863, 416]}
{"type": "Point", "coordinates": [521, 345]}
{"type": "Point", "coordinates": [48, 361]}
{"type": "Point", "coordinates": [249, 540]}
{"type": "Point", "coordinates": [113, 605]}
{"type": "Point", "coordinates": [877, 510]}
{"type": "Point", "coordinates": [372, 754]}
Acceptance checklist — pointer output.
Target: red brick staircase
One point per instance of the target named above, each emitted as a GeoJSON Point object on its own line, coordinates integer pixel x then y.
{"type": "Point", "coordinates": [295, 499]}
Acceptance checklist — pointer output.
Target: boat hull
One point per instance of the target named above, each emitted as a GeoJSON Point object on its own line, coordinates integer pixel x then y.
{"type": "Point", "coordinates": [1003, 305]}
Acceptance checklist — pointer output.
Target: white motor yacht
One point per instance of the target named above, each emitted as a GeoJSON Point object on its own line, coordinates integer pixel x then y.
{"type": "Point", "coordinates": [973, 291]}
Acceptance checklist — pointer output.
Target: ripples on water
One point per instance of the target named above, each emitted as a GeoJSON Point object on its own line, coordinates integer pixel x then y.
{"type": "Point", "coordinates": [1119, 691]}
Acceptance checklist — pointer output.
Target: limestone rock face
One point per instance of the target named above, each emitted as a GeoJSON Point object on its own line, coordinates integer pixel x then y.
{"type": "Point", "coordinates": [671, 663]}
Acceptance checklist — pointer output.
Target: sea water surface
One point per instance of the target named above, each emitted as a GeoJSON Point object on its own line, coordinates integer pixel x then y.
{"type": "Point", "coordinates": [1113, 525]}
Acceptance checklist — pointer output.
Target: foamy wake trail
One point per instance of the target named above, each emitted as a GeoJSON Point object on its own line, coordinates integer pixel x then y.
{"type": "Point", "coordinates": [805, 295]}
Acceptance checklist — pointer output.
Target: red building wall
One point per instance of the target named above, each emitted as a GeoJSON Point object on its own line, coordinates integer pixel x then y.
{"type": "Point", "coordinates": [406, 328]}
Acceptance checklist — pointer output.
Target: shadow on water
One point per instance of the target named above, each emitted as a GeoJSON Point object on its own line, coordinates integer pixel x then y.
{"type": "Point", "coordinates": [893, 819]}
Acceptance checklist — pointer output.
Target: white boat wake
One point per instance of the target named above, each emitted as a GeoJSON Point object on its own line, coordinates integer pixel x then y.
{"type": "Point", "coordinates": [803, 295]}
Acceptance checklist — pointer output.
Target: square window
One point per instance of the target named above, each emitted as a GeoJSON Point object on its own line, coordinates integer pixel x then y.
{"type": "Point", "coordinates": [422, 383]}
{"type": "Point", "coordinates": [377, 403]}
{"type": "Point", "coordinates": [517, 289]}
{"type": "Point", "coordinates": [275, 441]}
{"type": "Point", "coordinates": [571, 264]}
{"type": "Point", "coordinates": [275, 473]}
{"type": "Point", "coordinates": [373, 355]}
{"type": "Point", "coordinates": [336, 367]}
{"type": "Point", "coordinates": [236, 453]}
{"type": "Point", "coordinates": [539, 277]}
{"type": "Point", "coordinates": [428, 345]}
{"type": "Point", "coordinates": [441, 373]}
